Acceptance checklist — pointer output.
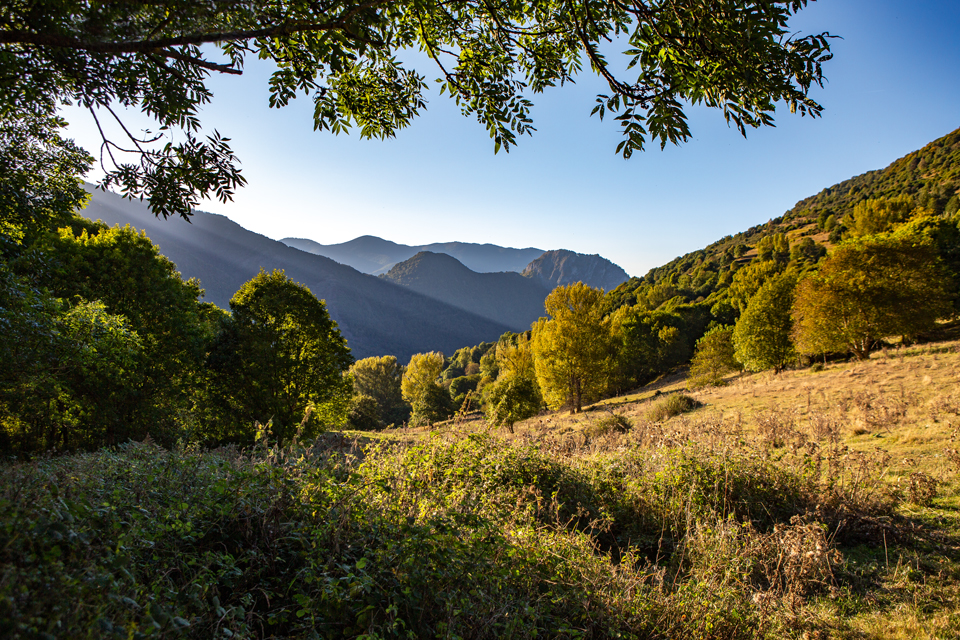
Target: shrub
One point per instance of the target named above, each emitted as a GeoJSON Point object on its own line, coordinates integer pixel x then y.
{"type": "Point", "coordinates": [613, 423]}
{"type": "Point", "coordinates": [670, 406]}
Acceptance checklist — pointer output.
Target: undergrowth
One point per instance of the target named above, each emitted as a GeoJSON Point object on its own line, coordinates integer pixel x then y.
{"type": "Point", "coordinates": [465, 536]}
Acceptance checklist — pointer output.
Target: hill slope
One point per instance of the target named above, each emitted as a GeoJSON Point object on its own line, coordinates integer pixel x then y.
{"type": "Point", "coordinates": [374, 255]}
{"type": "Point", "coordinates": [506, 297]}
{"type": "Point", "coordinates": [931, 176]}
{"type": "Point", "coordinates": [376, 316]}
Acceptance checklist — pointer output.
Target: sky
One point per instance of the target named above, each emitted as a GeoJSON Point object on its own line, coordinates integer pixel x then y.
{"type": "Point", "coordinates": [892, 88]}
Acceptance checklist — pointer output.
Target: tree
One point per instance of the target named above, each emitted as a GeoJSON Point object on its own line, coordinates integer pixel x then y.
{"type": "Point", "coordinates": [762, 335]}
{"type": "Point", "coordinates": [648, 343]}
{"type": "Point", "coordinates": [279, 356]}
{"type": "Point", "coordinates": [157, 56]}
{"type": "Point", "coordinates": [774, 247]}
{"type": "Point", "coordinates": [807, 252]}
{"type": "Point", "coordinates": [867, 289]}
{"type": "Point", "coordinates": [68, 375]}
{"type": "Point", "coordinates": [122, 269]}
{"type": "Point", "coordinates": [572, 351]}
{"type": "Point", "coordinates": [421, 388]}
{"type": "Point", "coordinates": [379, 378]}
{"type": "Point", "coordinates": [872, 216]}
{"type": "Point", "coordinates": [748, 280]}
{"type": "Point", "coordinates": [515, 395]}
{"type": "Point", "coordinates": [512, 399]}
{"type": "Point", "coordinates": [714, 358]}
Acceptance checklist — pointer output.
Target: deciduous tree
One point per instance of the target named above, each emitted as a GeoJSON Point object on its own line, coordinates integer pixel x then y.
{"type": "Point", "coordinates": [379, 378]}
{"type": "Point", "coordinates": [421, 388]}
{"type": "Point", "coordinates": [714, 358]}
{"type": "Point", "coordinates": [867, 289]}
{"type": "Point", "coordinates": [573, 349]}
{"type": "Point", "coordinates": [873, 216]}
{"type": "Point", "coordinates": [278, 356]}
{"type": "Point", "coordinates": [762, 335]}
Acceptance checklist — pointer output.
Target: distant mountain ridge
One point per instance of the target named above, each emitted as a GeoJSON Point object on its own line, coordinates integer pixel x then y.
{"type": "Point", "coordinates": [506, 297]}
{"type": "Point", "coordinates": [373, 255]}
{"type": "Point", "coordinates": [376, 316]}
{"type": "Point", "coordinates": [561, 267]}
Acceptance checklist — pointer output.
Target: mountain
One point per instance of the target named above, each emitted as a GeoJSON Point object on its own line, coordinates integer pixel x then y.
{"type": "Point", "coordinates": [375, 315]}
{"type": "Point", "coordinates": [555, 268]}
{"type": "Point", "coordinates": [374, 255]}
{"type": "Point", "coordinates": [505, 297]}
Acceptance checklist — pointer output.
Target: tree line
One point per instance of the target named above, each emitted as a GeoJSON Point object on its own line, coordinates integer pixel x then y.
{"type": "Point", "coordinates": [782, 302]}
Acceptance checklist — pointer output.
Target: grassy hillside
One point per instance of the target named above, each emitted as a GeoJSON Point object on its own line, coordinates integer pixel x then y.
{"type": "Point", "coordinates": [810, 505]}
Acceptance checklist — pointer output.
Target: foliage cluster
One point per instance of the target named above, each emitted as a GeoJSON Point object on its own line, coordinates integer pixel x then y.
{"type": "Point", "coordinates": [106, 342]}
{"type": "Point", "coordinates": [157, 57]}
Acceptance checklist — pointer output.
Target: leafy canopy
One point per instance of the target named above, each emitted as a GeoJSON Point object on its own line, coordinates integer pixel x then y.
{"type": "Point", "coordinates": [736, 56]}
{"type": "Point", "coordinates": [281, 358]}
{"type": "Point", "coordinates": [867, 289]}
{"type": "Point", "coordinates": [573, 350]}
{"type": "Point", "coordinates": [762, 335]}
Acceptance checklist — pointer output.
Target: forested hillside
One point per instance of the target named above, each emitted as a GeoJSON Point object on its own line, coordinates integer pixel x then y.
{"type": "Point", "coordinates": [713, 285]}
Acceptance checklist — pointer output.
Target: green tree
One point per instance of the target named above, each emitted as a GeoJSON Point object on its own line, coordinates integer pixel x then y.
{"type": "Point", "coordinates": [714, 358]}
{"type": "Point", "coordinates": [124, 270]}
{"type": "Point", "coordinates": [516, 394]}
{"type": "Point", "coordinates": [762, 335]}
{"type": "Point", "coordinates": [278, 356]}
{"type": "Point", "coordinates": [648, 343]}
{"type": "Point", "coordinates": [379, 378]}
{"type": "Point", "coordinates": [748, 280]}
{"type": "Point", "coordinates": [157, 57]}
{"type": "Point", "coordinates": [867, 289]}
{"type": "Point", "coordinates": [68, 374]}
{"type": "Point", "coordinates": [40, 176]}
{"type": "Point", "coordinates": [807, 252]}
{"type": "Point", "coordinates": [421, 388]}
{"type": "Point", "coordinates": [774, 247]}
{"type": "Point", "coordinates": [873, 216]}
{"type": "Point", "coordinates": [512, 399]}
{"type": "Point", "coordinates": [572, 351]}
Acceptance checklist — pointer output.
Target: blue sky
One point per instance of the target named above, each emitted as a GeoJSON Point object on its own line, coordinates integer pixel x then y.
{"type": "Point", "coordinates": [892, 87]}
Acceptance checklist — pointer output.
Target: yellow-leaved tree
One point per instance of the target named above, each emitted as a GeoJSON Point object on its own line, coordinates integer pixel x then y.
{"type": "Point", "coordinates": [421, 387]}
{"type": "Point", "coordinates": [573, 349]}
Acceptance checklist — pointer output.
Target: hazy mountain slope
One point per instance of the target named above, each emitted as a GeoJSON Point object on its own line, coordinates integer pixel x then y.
{"type": "Point", "coordinates": [370, 254]}
{"type": "Point", "coordinates": [559, 267]}
{"type": "Point", "coordinates": [505, 297]}
{"type": "Point", "coordinates": [375, 315]}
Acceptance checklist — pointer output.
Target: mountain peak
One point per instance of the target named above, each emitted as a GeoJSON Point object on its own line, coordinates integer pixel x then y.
{"type": "Point", "coordinates": [562, 266]}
